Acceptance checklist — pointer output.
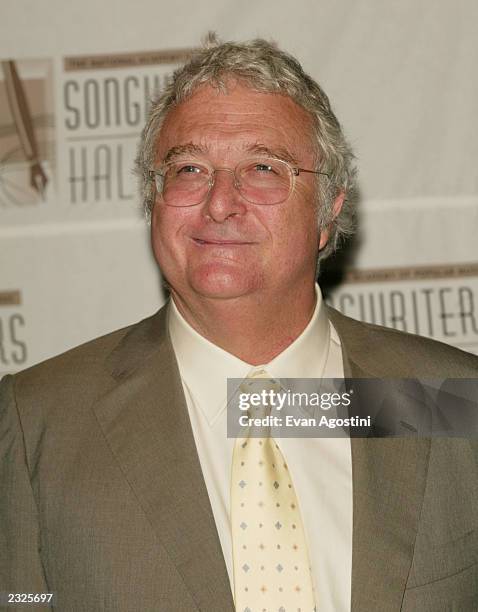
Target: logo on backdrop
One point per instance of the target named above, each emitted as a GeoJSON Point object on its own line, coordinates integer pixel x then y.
{"type": "Point", "coordinates": [98, 104]}
{"type": "Point", "coordinates": [105, 103]}
{"type": "Point", "coordinates": [438, 301]}
{"type": "Point", "coordinates": [13, 348]}
{"type": "Point", "coordinates": [26, 132]}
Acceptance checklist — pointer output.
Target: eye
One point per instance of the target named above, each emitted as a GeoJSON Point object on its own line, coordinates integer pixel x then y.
{"type": "Point", "coordinates": [189, 169]}
{"type": "Point", "coordinates": [265, 168]}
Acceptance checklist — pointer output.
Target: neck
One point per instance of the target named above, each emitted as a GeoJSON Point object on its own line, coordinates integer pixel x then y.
{"type": "Point", "coordinates": [253, 329]}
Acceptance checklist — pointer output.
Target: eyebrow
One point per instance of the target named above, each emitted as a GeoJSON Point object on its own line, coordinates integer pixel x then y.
{"type": "Point", "coordinates": [256, 148]}
{"type": "Point", "coordinates": [180, 150]}
{"type": "Point", "coordinates": [278, 152]}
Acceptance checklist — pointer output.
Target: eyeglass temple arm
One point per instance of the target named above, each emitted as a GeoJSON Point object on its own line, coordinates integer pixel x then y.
{"type": "Point", "coordinates": [297, 171]}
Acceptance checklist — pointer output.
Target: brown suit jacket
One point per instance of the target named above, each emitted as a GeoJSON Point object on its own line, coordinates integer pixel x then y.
{"type": "Point", "coordinates": [104, 503]}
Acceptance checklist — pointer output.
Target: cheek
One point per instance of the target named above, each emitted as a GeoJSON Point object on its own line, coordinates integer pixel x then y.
{"type": "Point", "coordinates": [157, 239]}
{"type": "Point", "coordinates": [296, 233]}
{"type": "Point", "coordinates": [165, 229]}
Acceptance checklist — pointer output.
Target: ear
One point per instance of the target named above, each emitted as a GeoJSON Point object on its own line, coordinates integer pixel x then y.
{"type": "Point", "coordinates": [337, 207]}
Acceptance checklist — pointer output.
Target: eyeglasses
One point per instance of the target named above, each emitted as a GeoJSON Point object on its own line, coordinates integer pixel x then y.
{"type": "Point", "coordinates": [259, 180]}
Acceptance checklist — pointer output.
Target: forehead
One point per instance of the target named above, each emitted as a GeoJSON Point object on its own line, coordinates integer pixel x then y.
{"type": "Point", "coordinates": [228, 123]}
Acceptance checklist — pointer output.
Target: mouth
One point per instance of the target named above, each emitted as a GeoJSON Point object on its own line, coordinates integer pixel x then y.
{"type": "Point", "coordinates": [219, 242]}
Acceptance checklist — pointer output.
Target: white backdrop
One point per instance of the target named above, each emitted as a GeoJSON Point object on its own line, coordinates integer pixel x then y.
{"type": "Point", "coordinates": [74, 254]}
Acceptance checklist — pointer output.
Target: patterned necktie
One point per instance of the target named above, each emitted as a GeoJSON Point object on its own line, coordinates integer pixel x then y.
{"type": "Point", "coordinates": [271, 564]}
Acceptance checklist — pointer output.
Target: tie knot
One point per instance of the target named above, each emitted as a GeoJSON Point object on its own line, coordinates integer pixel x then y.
{"type": "Point", "coordinates": [260, 379]}
{"type": "Point", "coordinates": [261, 373]}
{"type": "Point", "coordinates": [261, 388]}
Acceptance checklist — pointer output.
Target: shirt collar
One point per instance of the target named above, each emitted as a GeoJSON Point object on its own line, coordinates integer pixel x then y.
{"type": "Point", "coordinates": [205, 367]}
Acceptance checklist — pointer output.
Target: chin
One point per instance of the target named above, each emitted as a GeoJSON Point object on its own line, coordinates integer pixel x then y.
{"type": "Point", "coordinates": [209, 281]}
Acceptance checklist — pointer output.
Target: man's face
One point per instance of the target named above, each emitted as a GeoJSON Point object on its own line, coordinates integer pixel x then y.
{"type": "Point", "coordinates": [226, 247]}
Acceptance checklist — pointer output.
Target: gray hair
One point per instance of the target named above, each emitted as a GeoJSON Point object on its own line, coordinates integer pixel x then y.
{"type": "Point", "coordinates": [263, 67]}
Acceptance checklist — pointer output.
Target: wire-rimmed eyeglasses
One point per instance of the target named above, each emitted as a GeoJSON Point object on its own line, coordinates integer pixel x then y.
{"type": "Point", "coordinates": [259, 180]}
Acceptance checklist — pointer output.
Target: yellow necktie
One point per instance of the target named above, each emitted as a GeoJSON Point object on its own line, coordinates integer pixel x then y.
{"type": "Point", "coordinates": [271, 563]}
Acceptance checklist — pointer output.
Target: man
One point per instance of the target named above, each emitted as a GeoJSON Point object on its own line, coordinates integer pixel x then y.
{"type": "Point", "coordinates": [116, 467]}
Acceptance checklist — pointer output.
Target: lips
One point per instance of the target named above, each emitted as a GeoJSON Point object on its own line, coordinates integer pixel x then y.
{"type": "Point", "coordinates": [220, 241]}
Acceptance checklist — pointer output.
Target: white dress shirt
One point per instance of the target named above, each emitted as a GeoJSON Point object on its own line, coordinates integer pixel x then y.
{"type": "Point", "coordinates": [321, 469]}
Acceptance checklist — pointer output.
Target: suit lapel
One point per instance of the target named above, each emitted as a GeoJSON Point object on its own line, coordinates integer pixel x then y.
{"type": "Point", "coordinates": [145, 420]}
{"type": "Point", "coordinates": [389, 477]}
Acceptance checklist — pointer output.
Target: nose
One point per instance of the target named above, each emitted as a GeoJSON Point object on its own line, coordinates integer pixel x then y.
{"type": "Point", "coordinates": [223, 200]}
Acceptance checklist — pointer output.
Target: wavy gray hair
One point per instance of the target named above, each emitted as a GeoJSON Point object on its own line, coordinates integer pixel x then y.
{"type": "Point", "coordinates": [263, 67]}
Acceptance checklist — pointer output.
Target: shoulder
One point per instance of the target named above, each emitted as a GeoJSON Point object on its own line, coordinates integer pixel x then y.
{"type": "Point", "coordinates": [52, 406]}
{"type": "Point", "coordinates": [84, 372]}
{"type": "Point", "coordinates": [84, 361]}
{"type": "Point", "coordinates": [408, 354]}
